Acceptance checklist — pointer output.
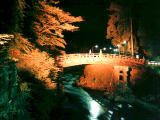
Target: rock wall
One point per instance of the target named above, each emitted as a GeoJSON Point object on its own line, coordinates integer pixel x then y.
{"type": "Point", "coordinates": [104, 76]}
{"type": "Point", "coordinates": [11, 97]}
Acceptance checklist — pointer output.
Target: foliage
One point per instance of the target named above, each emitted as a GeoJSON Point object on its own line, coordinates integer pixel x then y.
{"type": "Point", "coordinates": [32, 59]}
{"type": "Point", "coordinates": [48, 27]}
{"type": "Point", "coordinates": [12, 100]}
{"type": "Point", "coordinates": [50, 24]}
{"type": "Point", "coordinates": [5, 39]}
{"type": "Point", "coordinates": [117, 29]}
{"type": "Point", "coordinates": [41, 100]}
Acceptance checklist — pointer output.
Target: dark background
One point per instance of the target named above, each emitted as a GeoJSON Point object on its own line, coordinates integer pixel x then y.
{"type": "Point", "coordinates": [92, 30]}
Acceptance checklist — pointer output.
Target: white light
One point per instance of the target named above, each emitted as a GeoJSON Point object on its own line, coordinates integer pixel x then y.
{"type": "Point", "coordinates": [129, 105]}
{"type": "Point", "coordinates": [118, 45]}
{"type": "Point", "coordinates": [111, 112]}
{"type": "Point", "coordinates": [137, 56]}
{"type": "Point", "coordinates": [120, 106]}
{"type": "Point", "coordinates": [95, 109]}
{"type": "Point", "coordinates": [122, 118]}
{"type": "Point", "coordinates": [96, 46]}
{"type": "Point", "coordinates": [115, 50]}
{"type": "Point", "coordinates": [110, 48]}
{"type": "Point", "coordinates": [104, 48]}
{"type": "Point", "coordinates": [124, 42]}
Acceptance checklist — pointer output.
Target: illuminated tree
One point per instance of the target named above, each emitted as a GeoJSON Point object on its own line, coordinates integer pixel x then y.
{"type": "Point", "coordinates": [48, 26]}
{"type": "Point", "coordinates": [32, 59]}
{"type": "Point", "coordinates": [51, 22]}
{"type": "Point", "coordinates": [117, 29]}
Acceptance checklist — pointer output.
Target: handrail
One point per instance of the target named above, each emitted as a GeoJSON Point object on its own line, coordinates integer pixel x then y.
{"type": "Point", "coordinates": [90, 57]}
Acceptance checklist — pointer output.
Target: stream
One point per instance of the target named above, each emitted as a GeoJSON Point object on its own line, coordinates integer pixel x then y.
{"type": "Point", "coordinates": [81, 105]}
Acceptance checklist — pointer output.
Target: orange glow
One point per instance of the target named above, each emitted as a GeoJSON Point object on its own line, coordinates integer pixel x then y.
{"type": "Point", "coordinates": [98, 58]}
{"type": "Point", "coordinates": [14, 53]}
{"type": "Point", "coordinates": [52, 22]}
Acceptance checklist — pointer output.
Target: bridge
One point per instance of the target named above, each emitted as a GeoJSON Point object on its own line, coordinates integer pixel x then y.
{"type": "Point", "coordinates": [121, 63]}
{"type": "Point", "coordinates": [68, 60]}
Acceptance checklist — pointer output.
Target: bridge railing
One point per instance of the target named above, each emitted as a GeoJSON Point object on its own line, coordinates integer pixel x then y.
{"type": "Point", "coordinates": [93, 57]}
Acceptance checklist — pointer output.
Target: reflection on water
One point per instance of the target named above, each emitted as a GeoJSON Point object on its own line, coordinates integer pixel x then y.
{"type": "Point", "coordinates": [84, 100]}
{"type": "Point", "coordinates": [95, 110]}
{"type": "Point", "coordinates": [81, 106]}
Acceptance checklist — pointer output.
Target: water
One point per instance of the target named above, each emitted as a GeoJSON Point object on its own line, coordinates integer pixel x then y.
{"type": "Point", "coordinates": [85, 101]}
{"type": "Point", "coordinates": [81, 106]}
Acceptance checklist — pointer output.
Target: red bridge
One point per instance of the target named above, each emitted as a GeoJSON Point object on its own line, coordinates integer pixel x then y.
{"type": "Point", "coordinates": [68, 60]}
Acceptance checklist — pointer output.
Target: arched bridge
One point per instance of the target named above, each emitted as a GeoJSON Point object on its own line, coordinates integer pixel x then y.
{"type": "Point", "coordinates": [68, 60]}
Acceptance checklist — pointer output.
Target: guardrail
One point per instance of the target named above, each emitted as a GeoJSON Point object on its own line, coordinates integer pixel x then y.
{"type": "Point", "coordinates": [64, 59]}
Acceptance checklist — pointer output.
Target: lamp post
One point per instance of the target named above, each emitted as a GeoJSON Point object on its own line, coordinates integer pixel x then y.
{"type": "Point", "coordinates": [96, 46]}
{"type": "Point", "coordinates": [104, 48]}
{"type": "Point", "coordinates": [121, 45]}
{"type": "Point", "coordinates": [115, 50]}
{"type": "Point", "coordinates": [118, 48]}
{"type": "Point", "coordinates": [110, 49]}
{"type": "Point", "coordinates": [124, 43]}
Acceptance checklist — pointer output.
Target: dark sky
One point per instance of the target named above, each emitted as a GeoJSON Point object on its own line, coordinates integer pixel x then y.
{"type": "Point", "coordinates": [5, 15]}
{"type": "Point", "coordinates": [92, 30]}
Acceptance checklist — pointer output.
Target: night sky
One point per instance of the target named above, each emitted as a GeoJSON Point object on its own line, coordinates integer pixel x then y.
{"type": "Point", "coordinates": [92, 30]}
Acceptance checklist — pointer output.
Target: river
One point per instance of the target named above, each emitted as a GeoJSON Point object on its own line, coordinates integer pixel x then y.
{"type": "Point", "coordinates": [83, 105]}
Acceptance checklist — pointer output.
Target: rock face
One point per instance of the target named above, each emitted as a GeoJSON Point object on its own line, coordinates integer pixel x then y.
{"type": "Point", "coordinates": [101, 77]}
{"type": "Point", "coordinates": [11, 98]}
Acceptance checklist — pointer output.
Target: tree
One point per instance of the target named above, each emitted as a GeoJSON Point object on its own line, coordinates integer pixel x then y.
{"type": "Point", "coordinates": [50, 23]}
{"type": "Point", "coordinates": [117, 29]}
{"type": "Point", "coordinates": [122, 27]}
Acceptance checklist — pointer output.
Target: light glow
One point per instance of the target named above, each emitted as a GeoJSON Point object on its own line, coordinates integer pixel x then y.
{"type": "Point", "coordinates": [115, 50]}
{"type": "Point", "coordinates": [137, 56]}
{"type": "Point", "coordinates": [118, 45]}
{"type": "Point", "coordinates": [96, 46]}
{"type": "Point", "coordinates": [104, 48]}
{"type": "Point", "coordinates": [95, 109]}
{"type": "Point", "coordinates": [124, 42]}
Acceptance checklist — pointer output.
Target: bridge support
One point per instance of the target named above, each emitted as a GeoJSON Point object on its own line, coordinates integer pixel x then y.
{"type": "Point", "coordinates": [120, 73]}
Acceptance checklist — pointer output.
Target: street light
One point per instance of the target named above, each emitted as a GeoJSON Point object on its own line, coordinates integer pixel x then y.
{"type": "Point", "coordinates": [123, 46]}
{"type": "Point", "coordinates": [110, 48]}
{"type": "Point", "coordinates": [115, 50]}
{"type": "Point", "coordinates": [137, 56]}
{"type": "Point", "coordinates": [104, 48]}
{"type": "Point", "coordinates": [96, 46]}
